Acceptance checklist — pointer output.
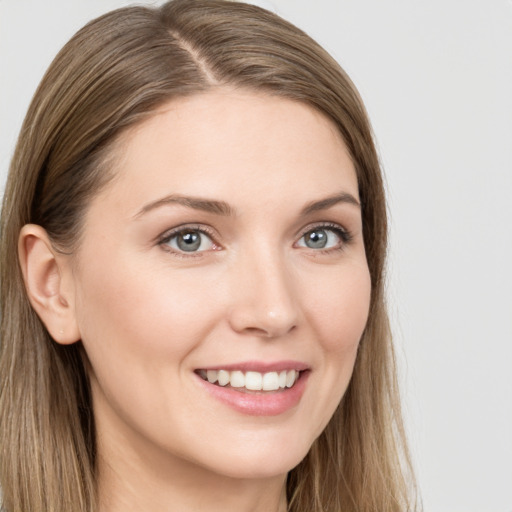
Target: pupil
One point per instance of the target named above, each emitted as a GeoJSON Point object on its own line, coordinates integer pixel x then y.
{"type": "Point", "coordinates": [189, 241]}
{"type": "Point", "coordinates": [316, 239]}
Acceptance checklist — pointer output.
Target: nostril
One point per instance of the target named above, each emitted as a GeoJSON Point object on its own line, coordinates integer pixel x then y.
{"type": "Point", "coordinates": [256, 330]}
{"type": "Point", "coordinates": [269, 332]}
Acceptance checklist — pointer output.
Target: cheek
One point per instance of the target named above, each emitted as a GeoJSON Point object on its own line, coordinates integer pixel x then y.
{"type": "Point", "coordinates": [144, 310]}
{"type": "Point", "coordinates": [138, 330]}
{"type": "Point", "coordinates": [338, 314]}
{"type": "Point", "coordinates": [339, 310]}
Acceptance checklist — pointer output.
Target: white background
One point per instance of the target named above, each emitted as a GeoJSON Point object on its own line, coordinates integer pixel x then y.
{"type": "Point", "coordinates": [436, 76]}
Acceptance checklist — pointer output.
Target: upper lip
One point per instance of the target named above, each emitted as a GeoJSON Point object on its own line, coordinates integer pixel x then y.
{"type": "Point", "coordinates": [260, 366]}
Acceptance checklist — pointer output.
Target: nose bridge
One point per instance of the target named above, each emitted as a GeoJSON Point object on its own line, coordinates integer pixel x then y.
{"type": "Point", "coordinates": [264, 299]}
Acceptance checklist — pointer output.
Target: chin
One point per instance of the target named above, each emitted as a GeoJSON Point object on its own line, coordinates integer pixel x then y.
{"type": "Point", "coordinates": [262, 469]}
{"type": "Point", "coordinates": [264, 459]}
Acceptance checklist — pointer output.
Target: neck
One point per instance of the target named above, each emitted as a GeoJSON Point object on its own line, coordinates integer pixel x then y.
{"type": "Point", "coordinates": [130, 483]}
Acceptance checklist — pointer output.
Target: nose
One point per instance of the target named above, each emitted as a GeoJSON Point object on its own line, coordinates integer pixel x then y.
{"type": "Point", "coordinates": [263, 300]}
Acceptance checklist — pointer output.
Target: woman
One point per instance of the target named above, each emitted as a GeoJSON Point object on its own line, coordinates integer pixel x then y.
{"type": "Point", "coordinates": [195, 317]}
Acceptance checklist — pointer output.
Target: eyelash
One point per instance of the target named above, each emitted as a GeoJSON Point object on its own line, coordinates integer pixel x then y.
{"type": "Point", "coordinates": [345, 236]}
{"type": "Point", "coordinates": [169, 235]}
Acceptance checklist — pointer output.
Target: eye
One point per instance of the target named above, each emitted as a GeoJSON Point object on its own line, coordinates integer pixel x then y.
{"type": "Point", "coordinates": [323, 237]}
{"type": "Point", "coordinates": [189, 240]}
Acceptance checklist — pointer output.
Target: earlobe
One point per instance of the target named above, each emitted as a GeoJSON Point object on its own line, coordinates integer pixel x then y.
{"type": "Point", "coordinates": [49, 283]}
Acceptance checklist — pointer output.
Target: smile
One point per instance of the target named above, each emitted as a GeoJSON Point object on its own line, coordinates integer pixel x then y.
{"type": "Point", "coordinates": [251, 380]}
{"type": "Point", "coordinates": [256, 388]}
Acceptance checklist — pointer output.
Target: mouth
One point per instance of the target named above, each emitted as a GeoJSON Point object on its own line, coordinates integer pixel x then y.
{"type": "Point", "coordinates": [256, 388]}
{"type": "Point", "coordinates": [252, 381]}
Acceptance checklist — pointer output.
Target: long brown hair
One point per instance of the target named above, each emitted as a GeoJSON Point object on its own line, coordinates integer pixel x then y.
{"type": "Point", "coordinates": [113, 73]}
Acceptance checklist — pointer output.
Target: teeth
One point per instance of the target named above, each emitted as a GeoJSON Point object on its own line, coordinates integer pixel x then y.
{"type": "Point", "coordinates": [282, 379]}
{"type": "Point", "coordinates": [237, 379]}
{"type": "Point", "coordinates": [270, 381]}
{"type": "Point", "coordinates": [253, 381]}
{"type": "Point", "coordinates": [223, 377]}
{"type": "Point", "coordinates": [290, 378]}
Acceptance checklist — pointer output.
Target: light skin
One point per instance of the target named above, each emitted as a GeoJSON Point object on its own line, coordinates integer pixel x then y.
{"type": "Point", "coordinates": [267, 189]}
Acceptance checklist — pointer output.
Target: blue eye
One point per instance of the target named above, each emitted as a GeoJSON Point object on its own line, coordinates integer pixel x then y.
{"type": "Point", "coordinates": [322, 238]}
{"type": "Point", "coordinates": [189, 240]}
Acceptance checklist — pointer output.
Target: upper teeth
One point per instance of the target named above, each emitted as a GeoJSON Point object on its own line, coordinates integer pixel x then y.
{"type": "Point", "coordinates": [254, 381]}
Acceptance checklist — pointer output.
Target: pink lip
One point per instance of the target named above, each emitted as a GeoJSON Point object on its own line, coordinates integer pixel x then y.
{"type": "Point", "coordinates": [260, 366]}
{"type": "Point", "coordinates": [266, 403]}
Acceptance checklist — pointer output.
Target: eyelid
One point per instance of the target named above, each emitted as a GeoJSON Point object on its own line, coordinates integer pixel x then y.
{"type": "Point", "coordinates": [162, 240]}
{"type": "Point", "coordinates": [167, 235]}
{"type": "Point", "coordinates": [344, 234]}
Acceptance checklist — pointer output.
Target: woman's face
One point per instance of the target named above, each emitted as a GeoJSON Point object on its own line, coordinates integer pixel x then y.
{"type": "Point", "coordinates": [228, 247]}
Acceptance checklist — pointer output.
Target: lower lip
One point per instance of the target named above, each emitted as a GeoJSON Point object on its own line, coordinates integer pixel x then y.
{"type": "Point", "coordinates": [259, 404]}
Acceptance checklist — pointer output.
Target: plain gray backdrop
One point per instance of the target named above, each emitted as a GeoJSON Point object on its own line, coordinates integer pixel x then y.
{"type": "Point", "coordinates": [436, 77]}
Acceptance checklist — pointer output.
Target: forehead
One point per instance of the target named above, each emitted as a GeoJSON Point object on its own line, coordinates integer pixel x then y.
{"type": "Point", "coordinates": [233, 145]}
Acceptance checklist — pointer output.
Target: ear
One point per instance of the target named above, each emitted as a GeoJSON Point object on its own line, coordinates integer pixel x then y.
{"type": "Point", "coordinates": [49, 282]}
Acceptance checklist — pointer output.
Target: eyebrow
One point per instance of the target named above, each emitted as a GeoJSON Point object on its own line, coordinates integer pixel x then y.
{"type": "Point", "coordinates": [197, 203]}
{"type": "Point", "coordinates": [224, 209]}
{"type": "Point", "coordinates": [328, 202]}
